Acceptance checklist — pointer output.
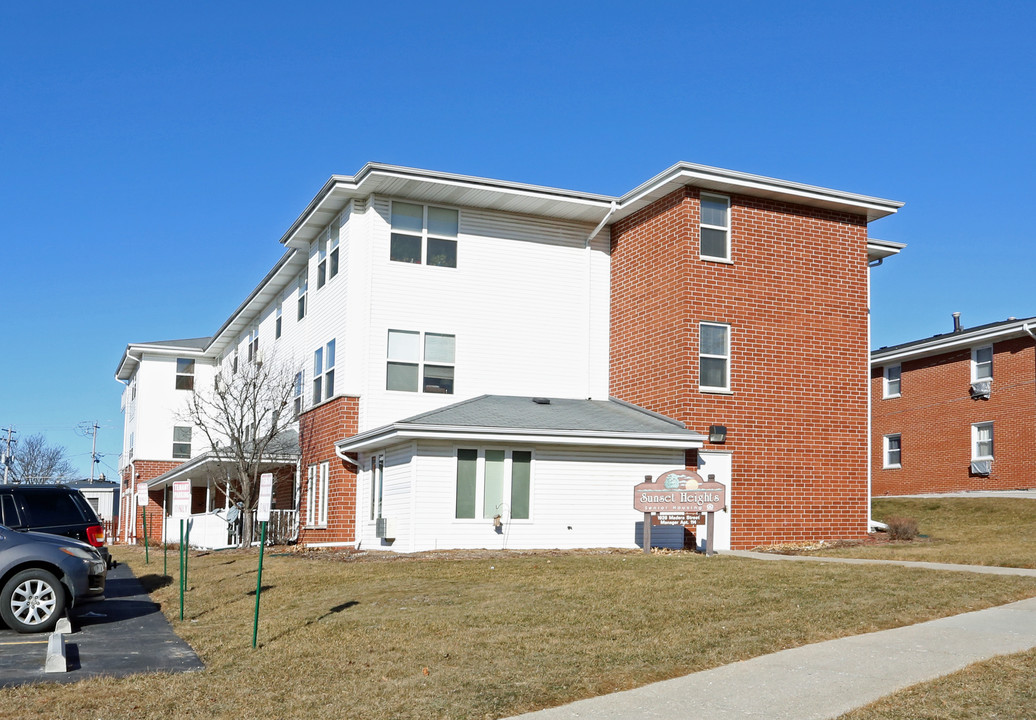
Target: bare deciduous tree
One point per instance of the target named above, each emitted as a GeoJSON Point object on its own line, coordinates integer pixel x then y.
{"type": "Point", "coordinates": [37, 463]}
{"type": "Point", "coordinates": [245, 417]}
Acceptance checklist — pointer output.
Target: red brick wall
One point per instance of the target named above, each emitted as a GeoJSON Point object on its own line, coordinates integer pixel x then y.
{"type": "Point", "coordinates": [319, 429]}
{"type": "Point", "coordinates": [795, 297]}
{"type": "Point", "coordinates": [146, 470]}
{"type": "Point", "coordinates": [934, 414]}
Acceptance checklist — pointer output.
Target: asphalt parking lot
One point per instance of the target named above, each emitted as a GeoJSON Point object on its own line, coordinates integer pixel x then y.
{"type": "Point", "coordinates": [124, 634]}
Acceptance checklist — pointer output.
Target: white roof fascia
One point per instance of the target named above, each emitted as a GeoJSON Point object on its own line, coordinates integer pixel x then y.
{"type": "Point", "coordinates": [731, 181]}
{"type": "Point", "coordinates": [955, 342]}
{"type": "Point", "coordinates": [339, 189]}
{"type": "Point", "coordinates": [881, 249]}
{"type": "Point", "coordinates": [398, 433]}
{"type": "Point", "coordinates": [135, 352]}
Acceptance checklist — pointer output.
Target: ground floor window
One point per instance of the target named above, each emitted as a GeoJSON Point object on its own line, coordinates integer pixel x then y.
{"type": "Point", "coordinates": [316, 494]}
{"type": "Point", "coordinates": [982, 441]}
{"type": "Point", "coordinates": [893, 451]}
{"type": "Point", "coordinates": [493, 481]}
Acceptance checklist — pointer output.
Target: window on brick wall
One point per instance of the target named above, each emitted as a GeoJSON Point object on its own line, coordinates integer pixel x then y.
{"type": "Point", "coordinates": [420, 362]}
{"type": "Point", "coordinates": [317, 478]}
{"type": "Point", "coordinates": [424, 234]}
{"type": "Point", "coordinates": [891, 381]}
{"type": "Point", "coordinates": [982, 441]}
{"type": "Point", "coordinates": [714, 357]}
{"type": "Point", "coordinates": [715, 227]}
{"type": "Point", "coordinates": [324, 372]}
{"type": "Point", "coordinates": [181, 443]}
{"type": "Point", "coordinates": [893, 447]}
{"type": "Point", "coordinates": [982, 363]}
{"type": "Point", "coordinates": [184, 374]}
{"type": "Point", "coordinates": [492, 482]}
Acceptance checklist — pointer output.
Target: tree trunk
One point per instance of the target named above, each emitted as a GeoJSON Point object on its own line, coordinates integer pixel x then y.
{"type": "Point", "coordinates": [246, 527]}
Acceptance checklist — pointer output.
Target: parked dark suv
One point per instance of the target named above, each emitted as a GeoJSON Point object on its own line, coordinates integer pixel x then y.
{"type": "Point", "coordinates": [52, 509]}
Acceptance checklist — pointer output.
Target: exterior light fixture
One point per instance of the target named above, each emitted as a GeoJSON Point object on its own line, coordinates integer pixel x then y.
{"type": "Point", "coordinates": [717, 433]}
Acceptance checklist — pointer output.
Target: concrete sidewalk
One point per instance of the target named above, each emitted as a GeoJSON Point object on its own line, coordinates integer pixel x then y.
{"type": "Point", "coordinates": [827, 679]}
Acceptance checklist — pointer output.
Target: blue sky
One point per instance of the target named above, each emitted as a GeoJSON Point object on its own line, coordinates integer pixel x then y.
{"type": "Point", "coordinates": [152, 155]}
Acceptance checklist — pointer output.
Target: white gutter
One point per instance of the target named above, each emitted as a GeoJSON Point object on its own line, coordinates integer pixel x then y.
{"type": "Point", "coordinates": [352, 461]}
{"type": "Point", "coordinates": [1029, 328]}
{"type": "Point", "coordinates": [953, 341]}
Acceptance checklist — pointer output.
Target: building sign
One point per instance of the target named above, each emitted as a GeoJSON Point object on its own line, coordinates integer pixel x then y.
{"type": "Point", "coordinates": [679, 492]}
{"type": "Point", "coordinates": [142, 495]}
{"type": "Point", "coordinates": [265, 497]}
{"type": "Point", "coordinates": [182, 499]}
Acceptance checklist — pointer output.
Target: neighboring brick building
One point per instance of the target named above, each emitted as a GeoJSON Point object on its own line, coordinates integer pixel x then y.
{"type": "Point", "coordinates": [431, 320]}
{"type": "Point", "coordinates": [956, 411]}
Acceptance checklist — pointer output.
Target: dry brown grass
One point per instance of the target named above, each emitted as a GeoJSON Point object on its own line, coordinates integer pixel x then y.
{"type": "Point", "coordinates": [488, 635]}
{"type": "Point", "coordinates": [969, 531]}
{"type": "Point", "coordinates": [1002, 688]}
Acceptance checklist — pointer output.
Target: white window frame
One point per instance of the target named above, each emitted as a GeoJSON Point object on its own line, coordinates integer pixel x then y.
{"type": "Point", "coordinates": [278, 324]}
{"type": "Point", "coordinates": [303, 285]}
{"type": "Point", "coordinates": [975, 364]}
{"type": "Point", "coordinates": [481, 515]}
{"type": "Point", "coordinates": [187, 374]}
{"type": "Point", "coordinates": [887, 462]}
{"type": "Point", "coordinates": [709, 226]}
{"type": "Point", "coordinates": [702, 355]}
{"type": "Point", "coordinates": [324, 372]}
{"type": "Point", "coordinates": [376, 475]}
{"type": "Point", "coordinates": [976, 428]}
{"type": "Point", "coordinates": [181, 442]}
{"type": "Point", "coordinates": [886, 383]}
{"type": "Point", "coordinates": [426, 234]}
{"type": "Point", "coordinates": [422, 362]}
{"type": "Point", "coordinates": [253, 343]}
{"type": "Point", "coordinates": [298, 399]}
{"type": "Point", "coordinates": [317, 482]}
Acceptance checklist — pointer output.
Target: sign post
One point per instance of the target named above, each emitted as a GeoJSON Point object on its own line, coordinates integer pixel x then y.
{"type": "Point", "coordinates": [182, 511]}
{"type": "Point", "coordinates": [678, 494]}
{"type": "Point", "coordinates": [263, 516]}
{"type": "Point", "coordinates": [142, 504]}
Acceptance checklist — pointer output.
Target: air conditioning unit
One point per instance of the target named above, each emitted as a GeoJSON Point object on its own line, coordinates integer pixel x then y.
{"type": "Point", "coordinates": [383, 529]}
{"type": "Point", "coordinates": [981, 389]}
{"type": "Point", "coordinates": [981, 467]}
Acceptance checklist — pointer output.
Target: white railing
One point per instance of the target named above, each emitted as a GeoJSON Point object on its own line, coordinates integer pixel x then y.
{"type": "Point", "coordinates": [282, 529]}
{"type": "Point", "coordinates": [211, 531]}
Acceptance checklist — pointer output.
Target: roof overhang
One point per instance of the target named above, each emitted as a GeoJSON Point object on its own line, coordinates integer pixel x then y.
{"type": "Point", "coordinates": [205, 467]}
{"type": "Point", "coordinates": [738, 183]}
{"type": "Point", "coordinates": [881, 249]}
{"type": "Point", "coordinates": [402, 432]}
{"type": "Point", "coordinates": [955, 341]}
{"type": "Point", "coordinates": [135, 351]}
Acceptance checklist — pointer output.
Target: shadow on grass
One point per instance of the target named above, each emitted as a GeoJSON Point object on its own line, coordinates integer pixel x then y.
{"type": "Point", "coordinates": [264, 588]}
{"type": "Point", "coordinates": [154, 582]}
{"type": "Point", "coordinates": [333, 611]}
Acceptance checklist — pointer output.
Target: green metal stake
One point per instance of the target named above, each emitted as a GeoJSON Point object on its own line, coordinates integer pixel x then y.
{"type": "Point", "coordinates": [147, 556]}
{"type": "Point", "coordinates": [181, 569]}
{"type": "Point", "coordinates": [186, 553]}
{"type": "Point", "coordinates": [259, 584]}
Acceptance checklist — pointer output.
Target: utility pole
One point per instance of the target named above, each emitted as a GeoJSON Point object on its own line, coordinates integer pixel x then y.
{"type": "Point", "coordinates": [8, 457]}
{"type": "Point", "coordinates": [93, 452]}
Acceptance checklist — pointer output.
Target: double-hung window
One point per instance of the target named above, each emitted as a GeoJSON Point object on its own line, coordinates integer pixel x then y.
{"type": "Point", "coordinates": [715, 227]}
{"type": "Point", "coordinates": [327, 254]}
{"type": "Point", "coordinates": [184, 374]}
{"type": "Point", "coordinates": [277, 324]}
{"type": "Point", "coordinates": [303, 284]}
{"type": "Point", "coordinates": [420, 362]}
{"type": "Point", "coordinates": [324, 372]}
{"type": "Point", "coordinates": [316, 494]}
{"type": "Point", "coordinates": [982, 441]}
{"type": "Point", "coordinates": [424, 234]}
{"type": "Point", "coordinates": [253, 344]}
{"type": "Point", "coordinates": [893, 449]}
{"type": "Point", "coordinates": [982, 363]}
{"type": "Point", "coordinates": [298, 394]}
{"type": "Point", "coordinates": [181, 443]}
{"type": "Point", "coordinates": [714, 357]}
{"type": "Point", "coordinates": [891, 381]}
{"type": "Point", "coordinates": [493, 481]}
{"type": "Point", "coordinates": [377, 473]}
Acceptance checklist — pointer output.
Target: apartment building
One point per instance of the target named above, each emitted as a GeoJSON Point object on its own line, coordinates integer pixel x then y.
{"type": "Point", "coordinates": [480, 363]}
{"type": "Point", "coordinates": [956, 411]}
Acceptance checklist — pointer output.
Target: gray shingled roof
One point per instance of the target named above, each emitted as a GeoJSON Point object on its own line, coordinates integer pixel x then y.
{"type": "Point", "coordinates": [522, 413]}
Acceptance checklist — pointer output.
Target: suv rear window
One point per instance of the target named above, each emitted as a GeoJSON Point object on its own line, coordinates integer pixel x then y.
{"type": "Point", "coordinates": [47, 509]}
{"type": "Point", "coordinates": [8, 512]}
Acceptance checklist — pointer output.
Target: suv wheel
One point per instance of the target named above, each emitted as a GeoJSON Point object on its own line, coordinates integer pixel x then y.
{"type": "Point", "coordinates": [32, 601]}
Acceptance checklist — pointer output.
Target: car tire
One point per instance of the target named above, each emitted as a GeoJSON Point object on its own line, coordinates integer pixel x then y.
{"type": "Point", "coordinates": [32, 601]}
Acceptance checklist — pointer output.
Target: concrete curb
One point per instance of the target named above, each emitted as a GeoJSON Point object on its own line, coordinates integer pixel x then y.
{"type": "Point", "coordinates": [57, 660]}
{"type": "Point", "coordinates": [981, 569]}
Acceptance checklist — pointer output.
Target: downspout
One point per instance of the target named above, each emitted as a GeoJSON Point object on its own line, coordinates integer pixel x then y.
{"type": "Point", "coordinates": [872, 524]}
{"type": "Point", "coordinates": [588, 249]}
{"type": "Point", "coordinates": [355, 462]}
{"type": "Point", "coordinates": [1031, 329]}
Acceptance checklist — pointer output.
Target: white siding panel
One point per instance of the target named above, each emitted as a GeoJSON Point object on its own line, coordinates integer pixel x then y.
{"type": "Point", "coordinates": [582, 497]}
